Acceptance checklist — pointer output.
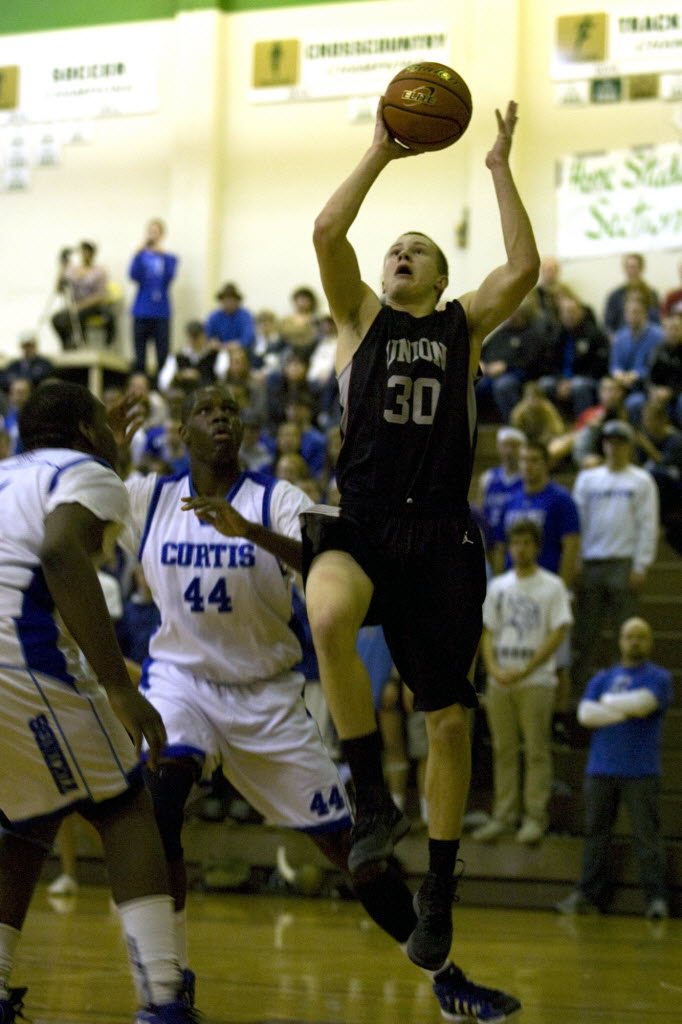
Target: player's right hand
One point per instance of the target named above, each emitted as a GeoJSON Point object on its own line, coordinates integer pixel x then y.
{"type": "Point", "coordinates": [383, 138]}
{"type": "Point", "coordinates": [141, 720]}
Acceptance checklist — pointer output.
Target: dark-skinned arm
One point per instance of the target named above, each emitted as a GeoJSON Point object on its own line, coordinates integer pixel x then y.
{"type": "Point", "coordinates": [226, 520]}
{"type": "Point", "coordinates": [73, 536]}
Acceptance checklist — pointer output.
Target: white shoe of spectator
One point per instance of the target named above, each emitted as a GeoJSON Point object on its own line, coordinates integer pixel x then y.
{"type": "Point", "coordinates": [530, 832]}
{"type": "Point", "coordinates": [65, 885]}
{"type": "Point", "coordinates": [657, 909]}
{"type": "Point", "coordinates": [491, 831]}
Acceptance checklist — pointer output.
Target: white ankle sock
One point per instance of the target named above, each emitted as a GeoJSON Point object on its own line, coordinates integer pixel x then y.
{"type": "Point", "coordinates": [399, 800]}
{"type": "Point", "coordinates": [149, 930]}
{"type": "Point", "coordinates": [9, 939]}
{"type": "Point", "coordinates": [180, 920]}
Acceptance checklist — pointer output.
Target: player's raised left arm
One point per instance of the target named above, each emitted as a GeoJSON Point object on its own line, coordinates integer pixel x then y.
{"type": "Point", "coordinates": [226, 520]}
{"type": "Point", "coordinates": [503, 289]}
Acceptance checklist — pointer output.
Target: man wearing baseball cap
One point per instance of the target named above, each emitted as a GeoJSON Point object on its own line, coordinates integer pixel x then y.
{"type": "Point", "coordinates": [619, 516]}
{"type": "Point", "coordinates": [29, 364]}
{"type": "Point", "coordinates": [231, 321]}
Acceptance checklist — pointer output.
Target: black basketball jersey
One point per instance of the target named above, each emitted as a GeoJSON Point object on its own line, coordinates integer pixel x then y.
{"type": "Point", "coordinates": [409, 413]}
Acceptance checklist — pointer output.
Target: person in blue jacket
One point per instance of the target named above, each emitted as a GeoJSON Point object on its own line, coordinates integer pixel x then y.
{"type": "Point", "coordinates": [153, 270]}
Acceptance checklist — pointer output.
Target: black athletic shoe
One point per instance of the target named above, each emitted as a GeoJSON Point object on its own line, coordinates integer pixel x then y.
{"type": "Point", "coordinates": [373, 836]}
{"type": "Point", "coordinates": [11, 1007]}
{"type": "Point", "coordinates": [463, 1000]}
{"type": "Point", "coordinates": [429, 944]}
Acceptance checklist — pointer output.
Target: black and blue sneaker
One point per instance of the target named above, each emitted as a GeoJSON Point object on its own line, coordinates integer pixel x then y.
{"type": "Point", "coordinates": [177, 1012]}
{"type": "Point", "coordinates": [461, 999]}
{"type": "Point", "coordinates": [11, 1006]}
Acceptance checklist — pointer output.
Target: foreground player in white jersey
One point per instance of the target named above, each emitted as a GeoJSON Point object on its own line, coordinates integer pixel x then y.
{"type": "Point", "coordinates": [218, 547]}
{"type": "Point", "coordinates": [63, 743]}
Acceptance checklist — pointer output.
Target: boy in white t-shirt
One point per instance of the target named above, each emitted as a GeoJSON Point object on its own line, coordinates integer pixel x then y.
{"type": "Point", "coordinates": [525, 618]}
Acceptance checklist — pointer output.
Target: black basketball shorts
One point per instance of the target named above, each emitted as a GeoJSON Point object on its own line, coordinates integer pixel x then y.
{"type": "Point", "coordinates": [428, 571]}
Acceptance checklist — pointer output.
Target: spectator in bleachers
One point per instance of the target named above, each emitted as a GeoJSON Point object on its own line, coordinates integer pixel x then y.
{"type": "Point", "coordinates": [254, 454]}
{"type": "Point", "coordinates": [198, 363]}
{"type": "Point", "coordinates": [269, 346]}
{"type": "Point", "coordinates": [321, 365]}
{"type": "Point", "coordinates": [551, 507]}
{"type": "Point", "coordinates": [660, 446]}
{"type": "Point", "coordinates": [538, 419]}
{"type": "Point", "coordinates": [546, 291]}
{"type": "Point", "coordinates": [587, 447]}
{"type": "Point", "coordinates": [614, 310]}
{"type": "Point", "coordinates": [165, 443]}
{"type": "Point", "coordinates": [624, 705]}
{"type": "Point", "coordinates": [575, 358]}
{"type": "Point", "coordinates": [290, 439]}
{"type": "Point", "coordinates": [299, 328]}
{"type": "Point", "coordinates": [619, 518]}
{"type": "Point", "coordinates": [240, 374]}
{"type": "Point", "coordinates": [153, 270]}
{"type": "Point", "coordinates": [511, 355]}
{"type": "Point", "coordinates": [664, 377]}
{"type": "Point", "coordinates": [150, 406]}
{"type": "Point", "coordinates": [292, 466]}
{"type": "Point", "coordinates": [301, 409]}
{"type": "Point", "coordinates": [281, 386]}
{"type": "Point", "coordinates": [498, 484]}
{"type": "Point", "coordinates": [30, 363]}
{"type": "Point", "coordinates": [84, 288]}
{"type": "Point", "coordinates": [526, 616]}
{"type": "Point", "coordinates": [20, 391]}
{"type": "Point", "coordinates": [633, 345]}
{"type": "Point", "coordinates": [334, 441]}
{"type": "Point", "coordinates": [232, 321]}
{"type": "Point", "coordinates": [672, 303]}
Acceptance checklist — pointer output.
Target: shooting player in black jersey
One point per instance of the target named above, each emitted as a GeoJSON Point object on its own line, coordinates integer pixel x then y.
{"type": "Point", "coordinates": [404, 549]}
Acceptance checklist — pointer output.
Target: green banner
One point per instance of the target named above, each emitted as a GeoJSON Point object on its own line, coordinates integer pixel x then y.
{"type": "Point", "coordinates": [38, 16]}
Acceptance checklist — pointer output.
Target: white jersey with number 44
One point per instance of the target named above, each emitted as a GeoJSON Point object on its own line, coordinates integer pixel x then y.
{"type": "Point", "coordinates": [225, 603]}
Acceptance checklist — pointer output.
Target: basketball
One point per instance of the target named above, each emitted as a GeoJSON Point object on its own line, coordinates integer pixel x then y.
{"type": "Point", "coordinates": [427, 106]}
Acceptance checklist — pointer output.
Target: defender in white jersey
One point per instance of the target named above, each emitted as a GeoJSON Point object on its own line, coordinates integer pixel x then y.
{"type": "Point", "coordinates": [218, 547]}
{"type": "Point", "coordinates": [64, 744]}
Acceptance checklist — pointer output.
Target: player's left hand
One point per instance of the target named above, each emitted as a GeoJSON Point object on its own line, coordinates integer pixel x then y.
{"type": "Point", "coordinates": [219, 513]}
{"type": "Point", "coordinates": [499, 154]}
{"type": "Point", "coordinates": [125, 417]}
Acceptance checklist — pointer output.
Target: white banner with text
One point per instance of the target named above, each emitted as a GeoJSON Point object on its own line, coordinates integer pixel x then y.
{"type": "Point", "coordinates": [627, 199]}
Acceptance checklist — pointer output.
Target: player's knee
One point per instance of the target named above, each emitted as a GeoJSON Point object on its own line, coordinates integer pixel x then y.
{"type": "Point", "coordinates": [447, 727]}
{"type": "Point", "coordinates": [390, 696]}
{"type": "Point", "coordinates": [332, 630]}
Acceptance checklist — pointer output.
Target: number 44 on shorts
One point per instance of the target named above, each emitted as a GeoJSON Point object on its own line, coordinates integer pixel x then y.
{"type": "Point", "coordinates": [322, 807]}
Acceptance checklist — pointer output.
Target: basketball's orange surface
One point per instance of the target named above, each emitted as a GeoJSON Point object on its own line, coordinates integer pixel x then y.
{"type": "Point", "coordinates": [427, 106]}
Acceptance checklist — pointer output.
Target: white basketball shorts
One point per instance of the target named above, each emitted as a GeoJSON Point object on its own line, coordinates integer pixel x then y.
{"type": "Point", "coordinates": [261, 735]}
{"type": "Point", "coordinates": [59, 744]}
